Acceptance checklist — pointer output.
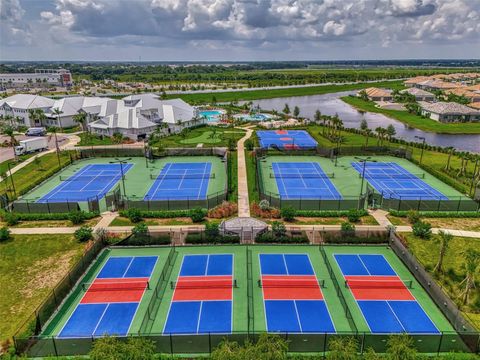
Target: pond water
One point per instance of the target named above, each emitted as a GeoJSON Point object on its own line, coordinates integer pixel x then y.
{"type": "Point", "coordinates": [329, 104]}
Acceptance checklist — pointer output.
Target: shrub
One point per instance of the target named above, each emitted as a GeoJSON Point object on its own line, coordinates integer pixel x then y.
{"type": "Point", "coordinates": [197, 215]}
{"type": "Point", "coordinates": [288, 213]}
{"type": "Point", "coordinates": [200, 238]}
{"type": "Point", "coordinates": [84, 233]}
{"type": "Point", "coordinates": [354, 215]}
{"type": "Point", "coordinates": [46, 216]}
{"type": "Point", "coordinates": [224, 210]}
{"type": "Point", "coordinates": [163, 214]}
{"type": "Point", "coordinates": [211, 231]}
{"type": "Point", "coordinates": [134, 215]}
{"type": "Point", "coordinates": [76, 217]}
{"type": "Point", "coordinates": [269, 237]}
{"type": "Point", "coordinates": [347, 227]}
{"type": "Point", "coordinates": [422, 229]}
{"type": "Point", "coordinates": [264, 205]}
{"type": "Point", "coordinates": [4, 234]}
{"type": "Point", "coordinates": [413, 216]}
{"type": "Point", "coordinates": [249, 144]}
{"type": "Point", "coordinates": [329, 213]}
{"type": "Point", "coordinates": [11, 218]}
{"type": "Point", "coordinates": [278, 229]}
{"type": "Point", "coordinates": [140, 229]}
{"type": "Point", "coordinates": [439, 214]}
{"type": "Point", "coordinates": [270, 213]}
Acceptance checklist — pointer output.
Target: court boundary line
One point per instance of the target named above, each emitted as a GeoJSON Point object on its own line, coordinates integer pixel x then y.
{"type": "Point", "coordinates": [324, 300]}
{"type": "Point", "coordinates": [117, 302]}
{"type": "Point", "coordinates": [396, 274]}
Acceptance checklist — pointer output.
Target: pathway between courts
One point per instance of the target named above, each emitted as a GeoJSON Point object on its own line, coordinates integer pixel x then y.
{"type": "Point", "coordinates": [243, 201]}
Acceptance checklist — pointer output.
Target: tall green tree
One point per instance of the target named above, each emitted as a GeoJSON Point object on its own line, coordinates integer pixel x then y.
{"type": "Point", "coordinates": [57, 112]}
{"type": "Point", "coordinates": [471, 264]}
{"type": "Point", "coordinates": [286, 109]}
{"type": "Point", "coordinates": [445, 238]}
{"type": "Point", "coordinates": [317, 117]}
{"type": "Point", "coordinates": [296, 111]}
{"type": "Point", "coordinates": [81, 119]}
{"type": "Point", "coordinates": [8, 131]}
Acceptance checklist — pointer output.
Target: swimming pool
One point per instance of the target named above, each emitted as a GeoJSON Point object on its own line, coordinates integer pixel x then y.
{"type": "Point", "coordinates": [212, 115]}
{"type": "Point", "coordinates": [254, 117]}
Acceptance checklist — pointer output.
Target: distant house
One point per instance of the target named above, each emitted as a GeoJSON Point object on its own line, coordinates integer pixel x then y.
{"type": "Point", "coordinates": [18, 107]}
{"type": "Point", "coordinates": [431, 85]}
{"type": "Point", "coordinates": [415, 80]}
{"type": "Point", "coordinates": [377, 94]}
{"type": "Point", "coordinates": [449, 112]}
{"type": "Point", "coordinates": [475, 105]}
{"type": "Point", "coordinates": [470, 95]}
{"type": "Point", "coordinates": [420, 95]}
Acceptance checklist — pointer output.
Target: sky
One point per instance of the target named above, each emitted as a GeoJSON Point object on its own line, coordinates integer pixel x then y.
{"type": "Point", "coordinates": [238, 30]}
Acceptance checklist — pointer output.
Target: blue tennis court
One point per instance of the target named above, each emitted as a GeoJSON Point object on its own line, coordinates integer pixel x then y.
{"type": "Point", "coordinates": [181, 181]}
{"type": "Point", "coordinates": [395, 182]}
{"type": "Point", "coordinates": [110, 302]}
{"type": "Point", "coordinates": [286, 139]}
{"type": "Point", "coordinates": [386, 303]}
{"type": "Point", "coordinates": [94, 180]}
{"type": "Point", "coordinates": [303, 180]}
{"type": "Point", "coordinates": [293, 300]}
{"type": "Point", "coordinates": [203, 297]}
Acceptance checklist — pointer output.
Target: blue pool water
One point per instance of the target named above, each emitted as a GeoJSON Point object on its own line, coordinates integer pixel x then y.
{"type": "Point", "coordinates": [254, 117]}
{"type": "Point", "coordinates": [211, 115]}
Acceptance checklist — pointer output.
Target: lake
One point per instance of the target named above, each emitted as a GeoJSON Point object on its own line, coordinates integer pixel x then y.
{"type": "Point", "coordinates": [329, 104]}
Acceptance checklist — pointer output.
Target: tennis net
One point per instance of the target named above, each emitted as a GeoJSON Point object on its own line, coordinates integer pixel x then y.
{"type": "Point", "coordinates": [101, 178]}
{"type": "Point", "coordinates": [301, 176]}
{"type": "Point", "coordinates": [204, 284]}
{"type": "Point", "coordinates": [393, 176]}
{"type": "Point", "coordinates": [181, 176]}
{"type": "Point", "coordinates": [116, 285]}
{"type": "Point", "coordinates": [291, 283]}
{"type": "Point", "coordinates": [379, 284]}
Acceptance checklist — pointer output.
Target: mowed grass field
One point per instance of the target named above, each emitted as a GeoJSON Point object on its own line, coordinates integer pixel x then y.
{"type": "Point", "coordinates": [30, 267]}
{"type": "Point", "coordinates": [427, 253]}
{"type": "Point", "coordinates": [207, 135]}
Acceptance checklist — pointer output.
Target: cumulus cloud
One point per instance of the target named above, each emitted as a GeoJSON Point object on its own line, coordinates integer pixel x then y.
{"type": "Point", "coordinates": [247, 24]}
{"type": "Point", "coordinates": [13, 28]}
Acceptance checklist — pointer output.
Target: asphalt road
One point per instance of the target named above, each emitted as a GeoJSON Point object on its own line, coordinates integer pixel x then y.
{"type": "Point", "coordinates": [6, 153]}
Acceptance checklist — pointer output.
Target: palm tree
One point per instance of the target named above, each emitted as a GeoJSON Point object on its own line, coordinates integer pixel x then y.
{"type": "Point", "coordinates": [472, 260]}
{"type": "Point", "coordinates": [381, 132]}
{"type": "Point", "coordinates": [286, 109]}
{"type": "Point", "coordinates": [464, 156]}
{"type": "Point", "coordinates": [318, 116]}
{"type": "Point", "coordinates": [450, 152]}
{"type": "Point", "coordinates": [58, 112]}
{"type": "Point", "coordinates": [81, 118]}
{"type": "Point", "coordinates": [391, 131]}
{"type": "Point", "coordinates": [445, 238]}
{"type": "Point", "coordinates": [8, 131]}
{"type": "Point", "coordinates": [367, 133]}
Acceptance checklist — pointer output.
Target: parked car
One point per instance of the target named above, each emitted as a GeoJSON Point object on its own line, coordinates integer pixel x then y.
{"type": "Point", "coordinates": [36, 131]}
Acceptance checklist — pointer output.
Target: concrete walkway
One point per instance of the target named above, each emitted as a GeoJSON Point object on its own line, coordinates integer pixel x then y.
{"type": "Point", "coordinates": [243, 200]}
{"type": "Point", "coordinates": [381, 217]}
{"type": "Point", "coordinates": [72, 140]}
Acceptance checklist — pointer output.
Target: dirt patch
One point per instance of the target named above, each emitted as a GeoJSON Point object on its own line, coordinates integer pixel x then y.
{"type": "Point", "coordinates": [46, 273]}
{"type": "Point", "coordinates": [455, 223]}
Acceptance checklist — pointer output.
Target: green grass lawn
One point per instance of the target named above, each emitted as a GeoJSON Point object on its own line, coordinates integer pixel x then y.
{"type": "Point", "coordinates": [232, 176]}
{"type": "Point", "coordinates": [22, 158]}
{"type": "Point", "coordinates": [253, 192]}
{"type": "Point", "coordinates": [26, 178]}
{"type": "Point", "coordinates": [30, 266]}
{"type": "Point", "coordinates": [87, 139]}
{"type": "Point", "coordinates": [427, 252]}
{"type": "Point", "coordinates": [415, 120]}
{"type": "Point", "coordinates": [207, 135]}
{"type": "Point", "coordinates": [268, 94]}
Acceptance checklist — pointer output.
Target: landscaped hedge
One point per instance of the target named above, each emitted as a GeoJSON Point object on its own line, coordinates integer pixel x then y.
{"type": "Point", "coordinates": [162, 214]}
{"type": "Point", "coordinates": [327, 213]}
{"type": "Point", "coordinates": [142, 240]}
{"type": "Point", "coordinates": [200, 238]}
{"type": "Point", "coordinates": [352, 239]}
{"type": "Point", "coordinates": [270, 238]}
{"type": "Point", "coordinates": [47, 216]}
{"type": "Point", "coordinates": [438, 214]}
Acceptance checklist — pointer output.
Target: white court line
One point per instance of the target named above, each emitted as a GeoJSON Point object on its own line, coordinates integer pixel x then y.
{"type": "Point", "coordinates": [365, 266]}
{"type": "Point", "coordinates": [298, 316]}
{"type": "Point", "coordinates": [128, 267]}
{"type": "Point", "coordinates": [100, 320]}
{"type": "Point", "coordinates": [396, 317]}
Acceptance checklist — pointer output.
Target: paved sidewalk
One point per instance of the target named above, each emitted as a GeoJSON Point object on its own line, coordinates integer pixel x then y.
{"type": "Point", "coordinates": [454, 232]}
{"type": "Point", "coordinates": [381, 217]}
{"type": "Point", "coordinates": [243, 200]}
{"type": "Point", "coordinates": [72, 141]}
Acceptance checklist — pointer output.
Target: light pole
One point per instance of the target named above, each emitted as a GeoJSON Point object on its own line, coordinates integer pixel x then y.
{"type": "Point", "coordinates": [364, 162]}
{"type": "Point", "coordinates": [121, 162]}
{"type": "Point", "coordinates": [423, 146]}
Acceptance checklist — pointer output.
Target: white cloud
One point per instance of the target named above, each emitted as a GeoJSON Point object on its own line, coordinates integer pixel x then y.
{"type": "Point", "coordinates": [248, 25]}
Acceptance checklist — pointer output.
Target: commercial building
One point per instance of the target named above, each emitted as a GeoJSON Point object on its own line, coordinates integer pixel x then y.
{"type": "Point", "coordinates": [39, 78]}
